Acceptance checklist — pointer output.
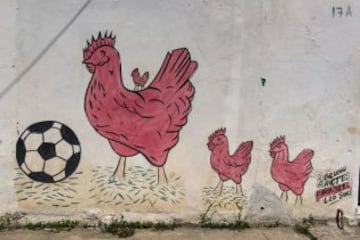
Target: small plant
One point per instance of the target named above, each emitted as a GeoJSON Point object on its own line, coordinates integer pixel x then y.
{"type": "Point", "coordinates": [162, 226]}
{"type": "Point", "coordinates": [124, 229]}
{"type": "Point", "coordinates": [120, 228]}
{"type": "Point", "coordinates": [272, 225]}
{"type": "Point", "coordinates": [204, 218]}
{"type": "Point", "coordinates": [304, 227]}
{"type": "Point", "coordinates": [10, 220]}
{"type": "Point", "coordinates": [237, 224]}
{"type": "Point", "coordinates": [63, 225]}
{"type": "Point", "coordinates": [5, 222]}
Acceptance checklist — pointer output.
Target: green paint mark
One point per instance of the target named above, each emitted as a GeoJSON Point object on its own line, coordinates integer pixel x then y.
{"type": "Point", "coordinates": [263, 82]}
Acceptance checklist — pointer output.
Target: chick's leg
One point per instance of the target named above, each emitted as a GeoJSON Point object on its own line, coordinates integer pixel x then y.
{"type": "Point", "coordinates": [162, 178]}
{"type": "Point", "coordinates": [297, 198]}
{"type": "Point", "coordinates": [239, 189]}
{"type": "Point", "coordinates": [119, 173]}
{"type": "Point", "coordinates": [286, 196]}
{"type": "Point", "coordinates": [219, 187]}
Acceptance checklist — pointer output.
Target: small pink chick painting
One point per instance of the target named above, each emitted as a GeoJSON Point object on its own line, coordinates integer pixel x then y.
{"type": "Point", "coordinates": [228, 166]}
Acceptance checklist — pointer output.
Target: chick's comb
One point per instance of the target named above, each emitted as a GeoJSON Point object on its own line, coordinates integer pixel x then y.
{"type": "Point", "coordinates": [218, 132]}
{"type": "Point", "coordinates": [276, 141]}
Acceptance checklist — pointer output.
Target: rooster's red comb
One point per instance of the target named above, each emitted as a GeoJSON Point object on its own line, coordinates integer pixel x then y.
{"type": "Point", "coordinates": [221, 131]}
{"type": "Point", "coordinates": [106, 40]}
{"type": "Point", "coordinates": [278, 140]}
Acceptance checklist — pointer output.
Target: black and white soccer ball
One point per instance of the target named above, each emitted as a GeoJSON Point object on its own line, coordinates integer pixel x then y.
{"type": "Point", "coordinates": [48, 151]}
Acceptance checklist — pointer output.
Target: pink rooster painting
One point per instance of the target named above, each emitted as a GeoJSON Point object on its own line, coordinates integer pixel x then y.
{"type": "Point", "coordinates": [144, 122]}
{"type": "Point", "coordinates": [290, 175]}
{"type": "Point", "coordinates": [228, 166]}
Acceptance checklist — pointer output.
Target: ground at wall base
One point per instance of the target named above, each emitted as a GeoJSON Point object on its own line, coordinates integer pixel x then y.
{"type": "Point", "coordinates": [307, 228]}
{"type": "Point", "coordinates": [323, 232]}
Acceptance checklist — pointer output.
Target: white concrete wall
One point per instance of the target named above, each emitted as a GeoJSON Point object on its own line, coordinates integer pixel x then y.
{"type": "Point", "coordinates": [307, 55]}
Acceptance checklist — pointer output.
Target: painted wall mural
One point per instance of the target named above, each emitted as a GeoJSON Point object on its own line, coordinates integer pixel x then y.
{"type": "Point", "coordinates": [48, 154]}
{"type": "Point", "coordinates": [139, 80]}
{"type": "Point", "coordinates": [147, 121]}
{"type": "Point", "coordinates": [334, 186]}
{"type": "Point", "coordinates": [63, 194]}
{"type": "Point", "coordinates": [48, 151]}
{"type": "Point", "coordinates": [228, 167]}
{"type": "Point", "coordinates": [290, 175]}
{"type": "Point", "coordinates": [147, 115]}
{"type": "Point", "coordinates": [140, 189]}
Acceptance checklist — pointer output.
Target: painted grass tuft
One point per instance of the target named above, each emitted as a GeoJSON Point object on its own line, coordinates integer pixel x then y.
{"type": "Point", "coordinates": [60, 194]}
{"type": "Point", "coordinates": [227, 200]}
{"type": "Point", "coordinates": [139, 187]}
{"type": "Point", "coordinates": [93, 188]}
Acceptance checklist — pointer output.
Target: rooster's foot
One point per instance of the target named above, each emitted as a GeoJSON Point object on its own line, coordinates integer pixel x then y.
{"type": "Point", "coordinates": [112, 179]}
{"type": "Point", "coordinates": [116, 179]}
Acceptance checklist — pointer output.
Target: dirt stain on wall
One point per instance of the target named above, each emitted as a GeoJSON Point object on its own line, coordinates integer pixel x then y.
{"type": "Point", "coordinates": [353, 130]}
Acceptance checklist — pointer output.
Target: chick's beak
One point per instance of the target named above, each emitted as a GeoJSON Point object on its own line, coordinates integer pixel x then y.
{"type": "Point", "coordinates": [210, 146]}
{"type": "Point", "coordinates": [272, 153]}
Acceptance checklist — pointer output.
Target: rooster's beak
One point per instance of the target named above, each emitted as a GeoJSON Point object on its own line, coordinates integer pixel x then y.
{"type": "Point", "coordinates": [89, 65]}
{"type": "Point", "coordinates": [88, 60]}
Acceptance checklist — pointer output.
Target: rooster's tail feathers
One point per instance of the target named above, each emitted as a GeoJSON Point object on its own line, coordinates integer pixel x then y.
{"type": "Point", "coordinates": [176, 70]}
{"type": "Point", "coordinates": [304, 160]}
{"type": "Point", "coordinates": [181, 65]}
{"type": "Point", "coordinates": [173, 85]}
{"type": "Point", "coordinates": [244, 150]}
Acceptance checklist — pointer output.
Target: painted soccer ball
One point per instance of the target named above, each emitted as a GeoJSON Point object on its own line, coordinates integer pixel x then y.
{"type": "Point", "coordinates": [48, 151]}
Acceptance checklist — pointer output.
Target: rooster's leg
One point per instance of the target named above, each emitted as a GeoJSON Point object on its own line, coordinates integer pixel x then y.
{"type": "Point", "coordinates": [162, 178]}
{"type": "Point", "coordinates": [119, 172]}
{"type": "Point", "coordinates": [301, 200]}
{"type": "Point", "coordinates": [219, 187]}
{"type": "Point", "coordinates": [239, 189]}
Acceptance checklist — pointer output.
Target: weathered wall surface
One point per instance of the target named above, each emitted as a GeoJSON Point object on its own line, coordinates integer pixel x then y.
{"type": "Point", "coordinates": [280, 76]}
